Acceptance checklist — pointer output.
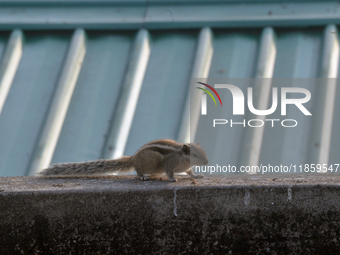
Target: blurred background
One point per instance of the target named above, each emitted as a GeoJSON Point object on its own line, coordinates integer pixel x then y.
{"type": "Point", "coordinates": [83, 80]}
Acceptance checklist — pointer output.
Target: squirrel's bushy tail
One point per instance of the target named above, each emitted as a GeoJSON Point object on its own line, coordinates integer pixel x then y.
{"type": "Point", "coordinates": [101, 166]}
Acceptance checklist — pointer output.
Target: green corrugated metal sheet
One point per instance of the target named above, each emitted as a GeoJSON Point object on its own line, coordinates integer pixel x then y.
{"type": "Point", "coordinates": [104, 74]}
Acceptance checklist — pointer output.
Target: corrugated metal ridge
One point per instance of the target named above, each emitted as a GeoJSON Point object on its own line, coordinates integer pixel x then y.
{"type": "Point", "coordinates": [164, 15]}
{"type": "Point", "coordinates": [9, 64]}
{"type": "Point", "coordinates": [126, 107]}
{"type": "Point", "coordinates": [54, 121]}
{"type": "Point", "coordinates": [252, 141]}
{"type": "Point", "coordinates": [200, 69]}
{"type": "Point", "coordinates": [323, 119]}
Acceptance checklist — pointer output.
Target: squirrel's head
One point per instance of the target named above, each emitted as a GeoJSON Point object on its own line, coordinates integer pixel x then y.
{"type": "Point", "coordinates": [197, 155]}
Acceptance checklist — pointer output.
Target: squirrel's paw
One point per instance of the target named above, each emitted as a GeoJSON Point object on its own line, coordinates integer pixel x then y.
{"type": "Point", "coordinates": [199, 176]}
{"type": "Point", "coordinates": [144, 178]}
{"type": "Point", "coordinates": [173, 179]}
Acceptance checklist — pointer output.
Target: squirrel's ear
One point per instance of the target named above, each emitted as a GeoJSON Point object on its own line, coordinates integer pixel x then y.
{"type": "Point", "coordinates": [198, 143]}
{"type": "Point", "coordinates": [186, 149]}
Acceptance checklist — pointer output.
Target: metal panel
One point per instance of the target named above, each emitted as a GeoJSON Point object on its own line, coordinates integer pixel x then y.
{"type": "Point", "coordinates": [311, 138]}
{"type": "Point", "coordinates": [9, 64]}
{"type": "Point", "coordinates": [235, 56]}
{"type": "Point", "coordinates": [334, 152]}
{"type": "Point", "coordinates": [3, 40]}
{"type": "Point", "coordinates": [298, 55]}
{"type": "Point", "coordinates": [162, 99]}
{"type": "Point", "coordinates": [99, 103]}
{"type": "Point", "coordinates": [234, 53]}
{"type": "Point", "coordinates": [59, 104]}
{"type": "Point", "coordinates": [324, 110]}
{"type": "Point", "coordinates": [125, 110]}
{"type": "Point", "coordinates": [27, 102]}
{"type": "Point", "coordinates": [200, 69]}
{"type": "Point", "coordinates": [252, 141]}
{"type": "Point", "coordinates": [95, 97]}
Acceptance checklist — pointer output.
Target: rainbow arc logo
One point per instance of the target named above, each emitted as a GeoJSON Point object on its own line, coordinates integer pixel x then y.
{"type": "Point", "coordinates": [208, 92]}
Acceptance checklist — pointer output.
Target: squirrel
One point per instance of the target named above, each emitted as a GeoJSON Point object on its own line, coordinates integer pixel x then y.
{"type": "Point", "coordinates": [156, 157]}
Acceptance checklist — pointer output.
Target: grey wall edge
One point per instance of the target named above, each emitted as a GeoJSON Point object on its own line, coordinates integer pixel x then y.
{"type": "Point", "coordinates": [88, 216]}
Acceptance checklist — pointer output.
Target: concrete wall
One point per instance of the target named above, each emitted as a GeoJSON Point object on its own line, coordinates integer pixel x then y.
{"type": "Point", "coordinates": [239, 214]}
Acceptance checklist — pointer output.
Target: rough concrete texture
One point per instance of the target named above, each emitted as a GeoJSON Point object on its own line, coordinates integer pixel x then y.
{"type": "Point", "coordinates": [238, 214]}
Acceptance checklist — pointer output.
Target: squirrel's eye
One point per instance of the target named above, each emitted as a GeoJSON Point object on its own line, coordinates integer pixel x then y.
{"type": "Point", "coordinates": [195, 155]}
